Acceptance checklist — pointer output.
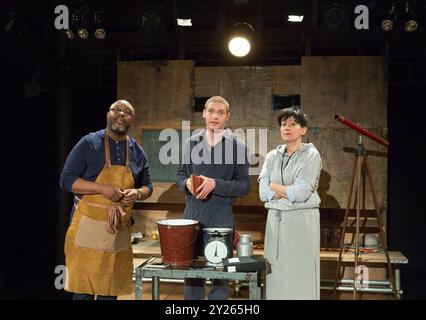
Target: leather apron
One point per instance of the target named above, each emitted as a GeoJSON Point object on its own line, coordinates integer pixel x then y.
{"type": "Point", "coordinates": [98, 251]}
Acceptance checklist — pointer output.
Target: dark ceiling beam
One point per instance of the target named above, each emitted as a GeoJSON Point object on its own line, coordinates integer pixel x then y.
{"type": "Point", "coordinates": [315, 14]}
{"type": "Point", "coordinates": [308, 16]}
{"type": "Point", "coordinates": [211, 20]}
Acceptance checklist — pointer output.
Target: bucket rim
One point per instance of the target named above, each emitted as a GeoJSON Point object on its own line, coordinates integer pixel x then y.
{"type": "Point", "coordinates": [179, 222]}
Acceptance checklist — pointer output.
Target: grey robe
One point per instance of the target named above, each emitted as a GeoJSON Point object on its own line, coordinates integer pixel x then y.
{"type": "Point", "coordinates": [292, 236]}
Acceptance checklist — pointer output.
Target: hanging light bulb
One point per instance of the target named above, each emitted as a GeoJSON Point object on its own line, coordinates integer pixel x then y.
{"type": "Point", "coordinates": [239, 42]}
{"type": "Point", "coordinates": [239, 46]}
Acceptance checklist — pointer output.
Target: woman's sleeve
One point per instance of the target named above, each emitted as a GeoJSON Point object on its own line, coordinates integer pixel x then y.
{"type": "Point", "coordinates": [306, 180]}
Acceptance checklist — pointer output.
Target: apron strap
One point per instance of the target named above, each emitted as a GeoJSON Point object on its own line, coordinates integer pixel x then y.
{"type": "Point", "coordinates": [127, 153]}
{"type": "Point", "coordinates": [108, 153]}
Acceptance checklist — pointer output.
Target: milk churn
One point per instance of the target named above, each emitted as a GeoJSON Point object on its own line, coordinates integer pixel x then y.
{"type": "Point", "coordinates": [245, 246]}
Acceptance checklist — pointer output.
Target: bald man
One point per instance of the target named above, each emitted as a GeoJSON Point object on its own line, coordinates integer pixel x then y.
{"type": "Point", "coordinates": [107, 171]}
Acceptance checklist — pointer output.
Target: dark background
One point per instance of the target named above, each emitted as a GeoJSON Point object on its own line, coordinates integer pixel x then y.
{"type": "Point", "coordinates": [75, 82]}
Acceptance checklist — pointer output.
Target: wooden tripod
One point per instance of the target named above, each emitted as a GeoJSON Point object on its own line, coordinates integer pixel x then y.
{"type": "Point", "coordinates": [359, 164]}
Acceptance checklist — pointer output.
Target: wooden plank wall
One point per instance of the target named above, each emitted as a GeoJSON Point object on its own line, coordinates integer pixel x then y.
{"type": "Point", "coordinates": [160, 91]}
{"type": "Point", "coordinates": [355, 87]}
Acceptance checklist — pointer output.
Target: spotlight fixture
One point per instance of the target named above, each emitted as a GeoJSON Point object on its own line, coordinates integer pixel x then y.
{"type": "Point", "coordinates": [387, 25]}
{"type": "Point", "coordinates": [151, 21]}
{"type": "Point", "coordinates": [83, 33]}
{"type": "Point", "coordinates": [294, 18]}
{"type": "Point", "coordinates": [69, 34]}
{"type": "Point", "coordinates": [240, 37]}
{"type": "Point", "coordinates": [410, 25]}
{"type": "Point", "coordinates": [239, 46]}
{"type": "Point", "coordinates": [100, 32]}
{"type": "Point", "coordinates": [388, 22]}
{"type": "Point", "coordinates": [295, 12]}
{"type": "Point", "coordinates": [335, 16]}
{"type": "Point", "coordinates": [184, 22]}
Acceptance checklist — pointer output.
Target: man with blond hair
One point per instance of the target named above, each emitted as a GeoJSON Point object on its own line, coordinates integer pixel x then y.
{"type": "Point", "coordinates": [221, 161]}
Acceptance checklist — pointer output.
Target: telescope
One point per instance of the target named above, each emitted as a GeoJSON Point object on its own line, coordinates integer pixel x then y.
{"type": "Point", "coordinates": [357, 182]}
{"type": "Point", "coordinates": [361, 130]}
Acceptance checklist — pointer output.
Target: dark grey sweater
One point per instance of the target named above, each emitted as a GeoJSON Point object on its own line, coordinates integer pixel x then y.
{"type": "Point", "coordinates": [227, 163]}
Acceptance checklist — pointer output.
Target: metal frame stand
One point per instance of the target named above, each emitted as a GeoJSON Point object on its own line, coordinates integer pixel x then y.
{"type": "Point", "coordinates": [359, 164]}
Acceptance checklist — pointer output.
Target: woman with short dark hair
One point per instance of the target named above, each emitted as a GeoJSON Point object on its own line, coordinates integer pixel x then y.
{"type": "Point", "coordinates": [288, 187]}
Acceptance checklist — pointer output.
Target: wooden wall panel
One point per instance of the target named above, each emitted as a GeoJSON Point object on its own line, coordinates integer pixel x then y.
{"type": "Point", "coordinates": [286, 80]}
{"type": "Point", "coordinates": [355, 87]}
{"type": "Point", "coordinates": [160, 91]}
{"type": "Point", "coordinates": [336, 147]}
{"type": "Point", "coordinates": [247, 89]}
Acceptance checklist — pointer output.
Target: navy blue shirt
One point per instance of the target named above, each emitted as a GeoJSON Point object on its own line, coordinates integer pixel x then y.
{"type": "Point", "coordinates": [230, 173]}
{"type": "Point", "coordinates": [87, 159]}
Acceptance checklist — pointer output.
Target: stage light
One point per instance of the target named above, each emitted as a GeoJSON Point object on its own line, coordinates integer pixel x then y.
{"type": "Point", "coordinates": [81, 23]}
{"type": "Point", "coordinates": [239, 46]}
{"type": "Point", "coordinates": [151, 21]}
{"type": "Point", "coordinates": [184, 22]}
{"type": "Point", "coordinates": [387, 25]}
{"type": "Point", "coordinates": [83, 33]}
{"type": "Point", "coordinates": [388, 22]}
{"type": "Point", "coordinates": [240, 39]}
{"type": "Point", "coordinates": [69, 34]}
{"type": "Point", "coordinates": [294, 18]}
{"type": "Point", "coordinates": [100, 34]}
{"type": "Point", "coordinates": [335, 16]}
{"type": "Point", "coordinates": [295, 12]}
{"type": "Point", "coordinates": [410, 25]}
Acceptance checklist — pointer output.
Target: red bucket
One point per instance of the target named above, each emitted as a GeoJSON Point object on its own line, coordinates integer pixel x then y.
{"type": "Point", "coordinates": [177, 240]}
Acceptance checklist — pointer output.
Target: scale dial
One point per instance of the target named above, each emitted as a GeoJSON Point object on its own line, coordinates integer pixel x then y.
{"type": "Point", "coordinates": [215, 251]}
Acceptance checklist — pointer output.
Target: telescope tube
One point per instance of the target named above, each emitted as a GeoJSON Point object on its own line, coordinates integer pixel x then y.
{"type": "Point", "coordinates": [363, 131]}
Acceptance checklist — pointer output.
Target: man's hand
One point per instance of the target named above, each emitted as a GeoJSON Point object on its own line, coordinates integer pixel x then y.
{"type": "Point", "coordinates": [189, 186]}
{"type": "Point", "coordinates": [111, 192]}
{"type": "Point", "coordinates": [205, 188]}
{"type": "Point", "coordinates": [130, 196]}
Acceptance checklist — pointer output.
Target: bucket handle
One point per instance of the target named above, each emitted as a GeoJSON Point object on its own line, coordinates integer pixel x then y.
{"type": "Point", "coordinates": [195, 238]}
